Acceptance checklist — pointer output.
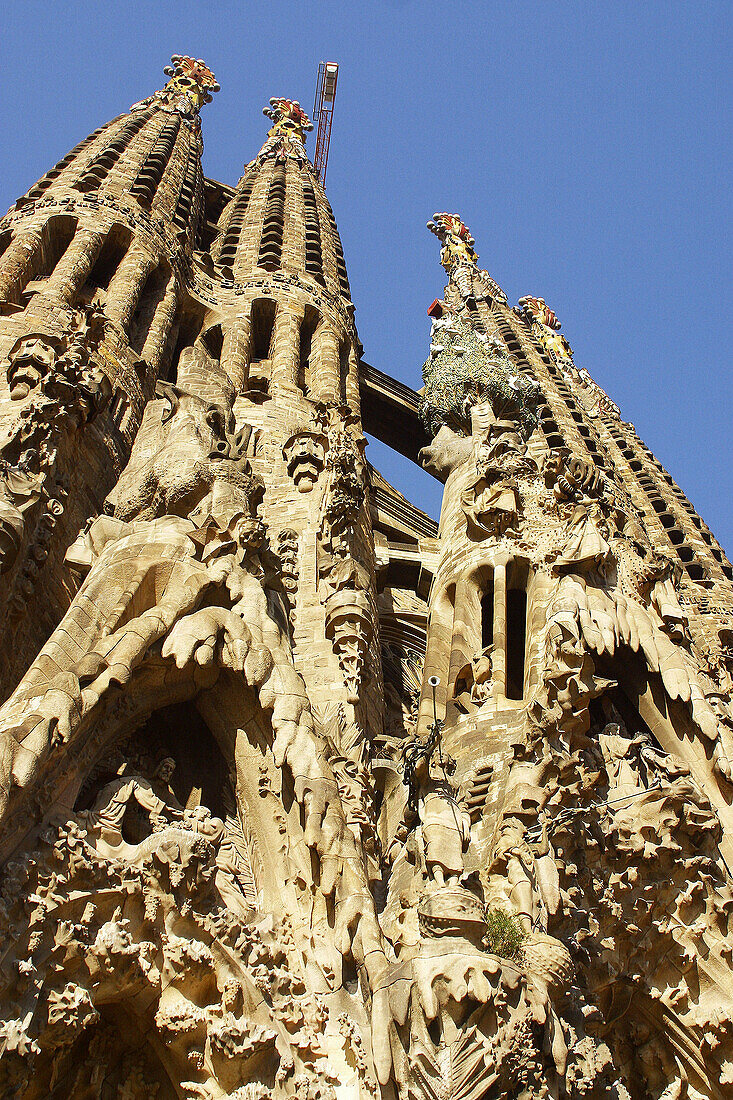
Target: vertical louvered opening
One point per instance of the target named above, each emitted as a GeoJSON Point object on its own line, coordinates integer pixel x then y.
{"type": "Point", "coordinates": [99, 168]}
{"type": "Point", "coordinates": [308, 326]}
{"type": "Point", "coordinates": [271, 243]}
{"type": "Point", "coordinates": [230, 242]}
{"type": "Point", "coordinates": [185, 213]}
{"type": "Point", "coordinates": [154, 166]}
{"type": "Point", "coordinates": [344, 349]}
{"type": "Point", "coordinates": [53, 174]}
{"type": "Point", "coordinates": [313, 253]}
{"type": "Point", "coordinates": [340, 262]}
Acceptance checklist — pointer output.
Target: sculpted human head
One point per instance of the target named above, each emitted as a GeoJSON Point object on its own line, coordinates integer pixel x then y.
{"type": "Point", "coordinates": [30, 359]}
{"type": "Point", "coordinates": [304, 454]}
{"type": "Point", "coordinates": [165, 769]}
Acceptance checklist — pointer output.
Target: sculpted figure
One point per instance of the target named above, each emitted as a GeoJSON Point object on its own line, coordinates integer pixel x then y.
{"type": "Point", "coordinates": [112, 802]}
{"type": "Point", "coordinates": [473, 682]}
{"type": "Point", "coordinates": [444, 833]}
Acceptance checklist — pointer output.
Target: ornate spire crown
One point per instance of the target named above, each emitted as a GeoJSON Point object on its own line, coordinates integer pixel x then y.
{"type": "Point", "coordinates": [289, 120]}
{"type": "Point", "coordinates": [456, 239]}
{"type": "Point", "coordinates": [191, 82]}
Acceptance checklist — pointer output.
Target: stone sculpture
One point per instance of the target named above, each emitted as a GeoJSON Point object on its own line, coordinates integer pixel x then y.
{"type": "Point", "coordinates": [303, 794]}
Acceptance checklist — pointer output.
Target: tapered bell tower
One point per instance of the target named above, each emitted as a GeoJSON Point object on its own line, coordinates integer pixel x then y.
{"type": "Point", "coordinates": [94, 261]}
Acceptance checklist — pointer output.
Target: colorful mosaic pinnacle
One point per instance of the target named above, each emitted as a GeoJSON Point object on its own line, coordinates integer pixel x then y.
{"type": "Point", "coordinates": [191, 78]}
{"type": "Point", "coordinates": [537, 309]}
{"type": "Point", "coordinates": [455, 237]}
{"type": "Point", "coordinates": [288, 118]}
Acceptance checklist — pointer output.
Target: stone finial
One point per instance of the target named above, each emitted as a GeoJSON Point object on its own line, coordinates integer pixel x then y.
{"type": "Point", "coordinates": [191, 79]}
{"type": "Point", "coordinates": [288, 119]}
{"type": "Point", "coordinates": [456, 239]}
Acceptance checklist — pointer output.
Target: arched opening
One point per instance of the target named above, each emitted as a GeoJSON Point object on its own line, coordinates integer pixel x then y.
{"type": "Point", "coordinates": [308, 326]}
{"type": "Point", "coordinates": [56, 236]}
{"type": "Point", "coordinates": [199, 777]}
{"type": "Point", "coordinates": [189, 327]}
{"type": "Point", "coordinates": [213, 341]}
{"type": "Point", "coordinates": [262, 327]}
{"type": "Point", "coordinates": [114, 1057]}
{"type": "Point", "coordinates": [109, 259]}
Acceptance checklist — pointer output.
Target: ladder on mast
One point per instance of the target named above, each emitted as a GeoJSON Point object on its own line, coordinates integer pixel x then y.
{"type": "Point", "coordinates": [323, 114]}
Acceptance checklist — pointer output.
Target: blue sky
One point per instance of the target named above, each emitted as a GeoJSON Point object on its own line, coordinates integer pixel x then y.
{"type": "Point", "coordinates": [586, 145]}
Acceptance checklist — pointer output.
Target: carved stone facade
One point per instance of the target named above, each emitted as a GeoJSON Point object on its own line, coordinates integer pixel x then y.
{"type": "Point", "coordinates": [301, 794]}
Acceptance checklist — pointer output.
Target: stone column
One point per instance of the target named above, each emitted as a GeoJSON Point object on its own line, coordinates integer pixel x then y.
{"type": "Point", "coordinates": [286, 347]}
{"type": "Point", "coordinates": [498, 660]}
{"type": "Point", "coordinates": [72, 270]}
{"type": "Point", "coordinates": [466, 638]}
{"type": "Point", "coordinates": [235, 351]}
{"type": "Point", "coordinates": [325, 371]}
{"type": "Point", "coordinates": [160, 326]}
{"type": "Point", "coordinates": [353, 397]}
{"type": "Point", "coordinates": [127, 283]}
{"type": "Point", "coordinates": [16, 263]}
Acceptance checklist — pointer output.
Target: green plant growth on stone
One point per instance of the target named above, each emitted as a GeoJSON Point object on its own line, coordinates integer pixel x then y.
{"type": "Point", "coordinates": [466, 368]}
{"type": "Point", "coordinates": [504, 934]}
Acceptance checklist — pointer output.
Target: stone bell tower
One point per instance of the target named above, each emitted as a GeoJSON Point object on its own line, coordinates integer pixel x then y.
{"type": "Point", "coordinates": [304, 794]}
{"type": "Point", "coordinates": [575, 693]}
{"type": "Point", "coordinates": [93, 262]}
